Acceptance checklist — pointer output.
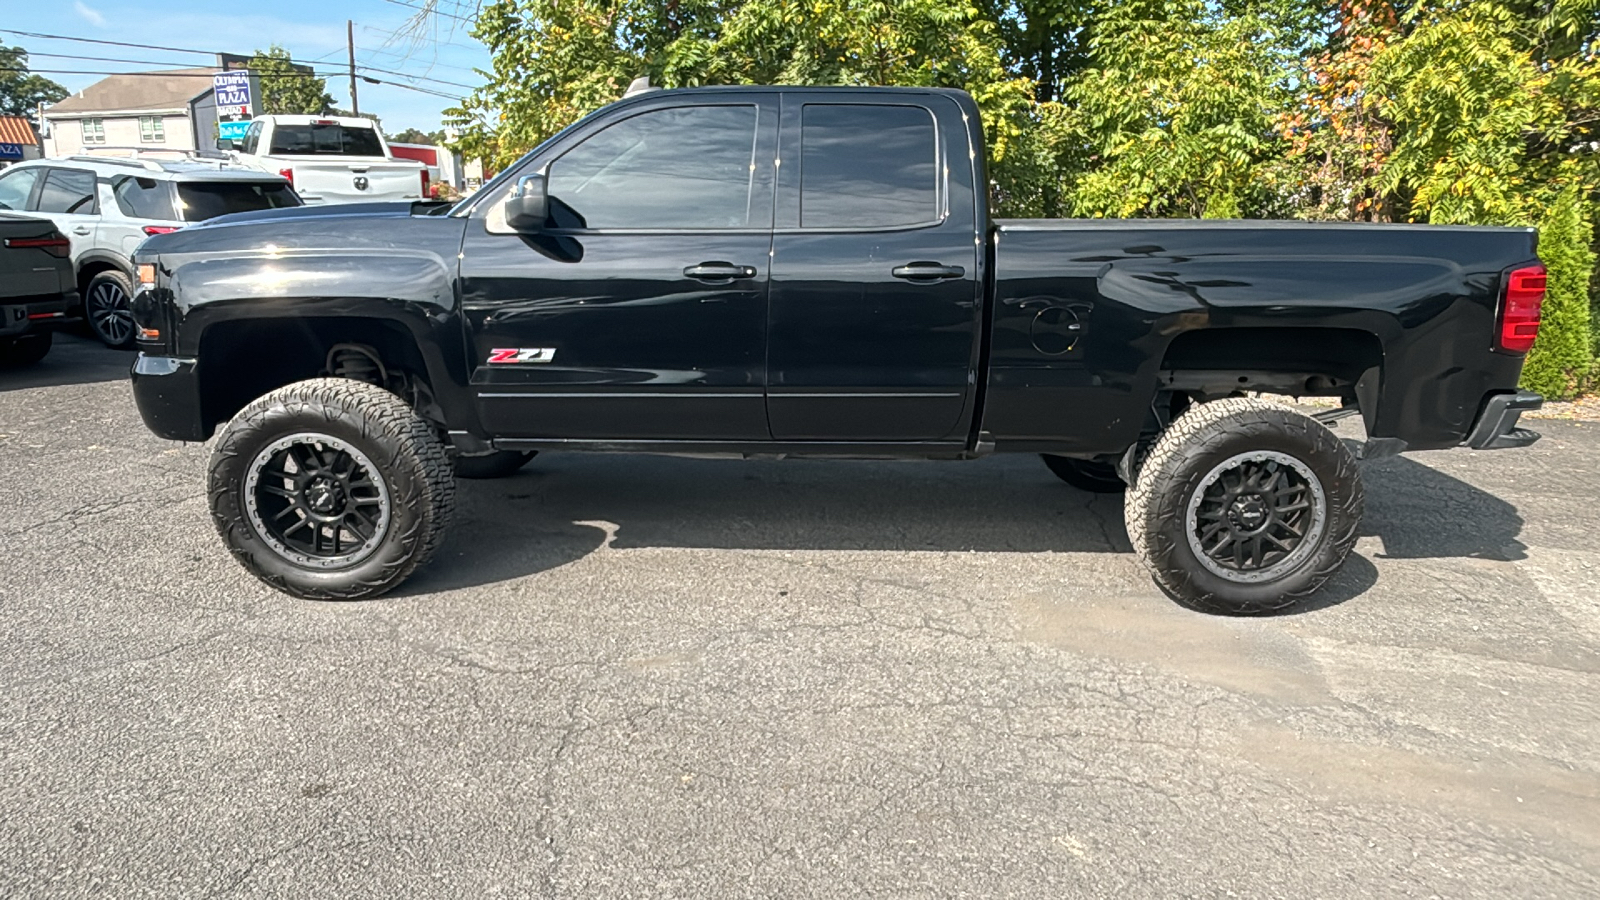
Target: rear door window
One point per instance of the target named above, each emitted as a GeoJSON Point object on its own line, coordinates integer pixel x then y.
{"type": "Point", "coordinates": [331, 139]}
{"type": "Point", "coordinates": [867, 166]}
{"type": "Point", "coordinates": [143, 198]}
{"type": "Point", "coordinates": [68, 191]}
{"type": "Point", "coordinates": [201, 200]}
{"type": "Point", "coordinates": [16, 187]}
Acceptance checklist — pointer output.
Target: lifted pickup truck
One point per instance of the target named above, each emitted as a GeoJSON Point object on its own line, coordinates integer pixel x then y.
{"type": "Point", "coordinates": [814, 272]}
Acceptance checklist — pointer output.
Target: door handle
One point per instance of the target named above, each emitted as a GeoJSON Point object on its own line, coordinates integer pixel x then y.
{"type": "Point", "coordinates": [927, 271]}
{"type": "Point", "coordinates": [719, 271]}
{"type": "Point", "coordinates": [80, 230]}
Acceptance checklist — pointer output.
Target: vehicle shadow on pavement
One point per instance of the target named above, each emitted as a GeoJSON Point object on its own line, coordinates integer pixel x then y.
{"type": "Point", "coordinates": [566, 506]}
{"type": "Point", "coordinates": [73, 359]}
{"type": "Point", "coordinates": [1421, 513]}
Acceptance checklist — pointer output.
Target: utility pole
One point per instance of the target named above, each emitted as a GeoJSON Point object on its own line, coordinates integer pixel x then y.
{"type": "Point", "coordinates": [350, 42]}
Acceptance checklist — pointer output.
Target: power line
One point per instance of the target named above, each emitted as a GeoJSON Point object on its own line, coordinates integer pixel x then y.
{"type": "Point", "coordinates": [190, 50]}
{"type": "Point", "coordinates": [141, 62]}
{"type": "Point", "coordinates": [435, 11]}
{"type": "Point", "coordinates": [323, 75]}
{"type": "Point", "coordinates": [64, 37]}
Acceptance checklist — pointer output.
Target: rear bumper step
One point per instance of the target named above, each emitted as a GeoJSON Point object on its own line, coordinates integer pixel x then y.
{"type": "Point", "coordinates": [1497, 429]}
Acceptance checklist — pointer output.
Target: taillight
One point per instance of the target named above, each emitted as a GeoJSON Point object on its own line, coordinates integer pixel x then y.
{"type": "Point", "coordinates": [1519, 309]}
{"type": "Point", "coordinates": [424, 184]}
{"type": "Point", "coordinates": [56, 244]}
{"type": "Point", "coordinates": [289, 174]}
{"type": "Point", "coordinates": [160, 229]}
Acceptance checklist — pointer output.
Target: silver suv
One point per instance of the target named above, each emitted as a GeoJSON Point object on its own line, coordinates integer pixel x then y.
{"type": "Point", "coordinates": [107, 205]}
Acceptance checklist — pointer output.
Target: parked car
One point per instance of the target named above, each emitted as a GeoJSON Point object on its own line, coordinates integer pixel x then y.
{"type": "Point", "coordinates": [331, 159]}
{"type": "Point", "coordinates": [36, 287]}
{"type": "Point", "coordinates": [108, 205]}
{"type": "Point", "coordinates": [677, 274]}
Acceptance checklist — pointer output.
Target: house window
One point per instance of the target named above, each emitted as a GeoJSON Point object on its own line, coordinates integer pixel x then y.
{"type": "Point", "coordinates": [94, 131]}
{"type": "Point", "coordinates": [151, 131]}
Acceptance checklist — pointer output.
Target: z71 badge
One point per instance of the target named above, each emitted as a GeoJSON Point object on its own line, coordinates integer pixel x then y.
{"type": "Point", "coordinates": [522, 355]}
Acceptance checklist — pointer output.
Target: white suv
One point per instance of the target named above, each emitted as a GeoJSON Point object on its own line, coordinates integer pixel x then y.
{"type": "Point", "coordinates": [107, 205]}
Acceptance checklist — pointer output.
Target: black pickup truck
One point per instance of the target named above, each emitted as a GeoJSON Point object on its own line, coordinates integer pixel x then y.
{"type": "Point", "coordinates": [814, 272]}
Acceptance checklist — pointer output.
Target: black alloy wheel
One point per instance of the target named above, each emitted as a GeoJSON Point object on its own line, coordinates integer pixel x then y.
{"type": "Point", "coordinates": [108, 308]}
{"type": "Point", "coordinates": [314, 499]}
{"type": "Point", "coordinates": [1256, 515]}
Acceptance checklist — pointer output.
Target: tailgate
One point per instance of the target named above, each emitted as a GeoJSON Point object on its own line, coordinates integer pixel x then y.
{"type": "Point", "coordinates": [356, 181]}
{"type": "Point", "coordinates": [30, 271]}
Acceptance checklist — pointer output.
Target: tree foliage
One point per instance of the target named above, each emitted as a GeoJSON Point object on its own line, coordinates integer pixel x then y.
{"type": "Point", "coordinates": [286, 90]}
{"type": "Point", "coordinates": [1444, 111]}
{"type": "Point", "coordinates": [20, 91]}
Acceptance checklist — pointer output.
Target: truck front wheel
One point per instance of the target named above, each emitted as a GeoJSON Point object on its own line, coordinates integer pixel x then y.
{"type": "Point", "coordinates": [331, 489]}
{"type": "Point", "coordinates": [1244, 507]}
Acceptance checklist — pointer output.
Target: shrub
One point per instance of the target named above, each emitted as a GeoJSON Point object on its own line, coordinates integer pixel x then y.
{"type": "Point", "coordinates": [1563, 357]}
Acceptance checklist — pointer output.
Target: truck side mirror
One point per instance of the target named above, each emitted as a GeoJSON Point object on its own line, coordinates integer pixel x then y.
{"type": "Point", "coordinates": [225, 145]}
{"type": "Point", "coordinates": [528, 204]}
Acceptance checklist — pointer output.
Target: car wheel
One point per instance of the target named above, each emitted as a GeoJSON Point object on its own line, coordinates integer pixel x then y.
{"type": "Point", "coordinates": [331, 489]}
{"type": "Point", "coordinates": [1086, 474]}
{"type": "Point", "coordinates": [1244, 507]}
{"type": "Point", "coordinates": [494, 465]}
{"type": "Point", "coordinates": [108, 308]}
{"type": "Point", "coordinates": [25, 350]}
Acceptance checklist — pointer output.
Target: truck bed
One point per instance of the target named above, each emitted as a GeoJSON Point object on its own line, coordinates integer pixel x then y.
{"type": "Point", "coordinates": [1087, 314]}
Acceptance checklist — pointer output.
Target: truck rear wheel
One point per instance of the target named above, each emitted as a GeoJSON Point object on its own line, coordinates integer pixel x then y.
{"type": "Point", "coordinates": [331, 489]}
{"type": "Point", "coordinates": [1086, 474]}
{"type": "Point", "coordinates": [500, 464]}
{"type": "Point", "coordinates": [25, 350]}
{"type": "Point", "coordinates": [1244, 507]}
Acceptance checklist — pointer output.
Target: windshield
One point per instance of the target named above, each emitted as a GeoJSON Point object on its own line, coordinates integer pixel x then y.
{"type": "Point", "coordinates": [201, 200]}
{"type": "Point", "coordinates": [332, 139]}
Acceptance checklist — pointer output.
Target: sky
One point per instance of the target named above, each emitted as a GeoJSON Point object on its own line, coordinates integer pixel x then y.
{"type": "Point", "coordinates": [312, 30]}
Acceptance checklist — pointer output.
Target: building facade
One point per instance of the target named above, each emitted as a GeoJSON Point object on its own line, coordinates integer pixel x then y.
{"type": "Point", "coordinates": [172, 110]}
{"type": "Point", "coordinates": [18, 140]}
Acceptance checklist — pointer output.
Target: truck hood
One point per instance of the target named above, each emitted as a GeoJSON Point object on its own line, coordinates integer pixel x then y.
{"type": "Point", "coordinates": [354, 230]}
{"type": "Point", "coordinates": [379, 210]}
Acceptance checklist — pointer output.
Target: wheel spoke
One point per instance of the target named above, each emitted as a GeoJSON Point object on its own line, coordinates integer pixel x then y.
{"type": "Point", "coordinates": [358, 526]}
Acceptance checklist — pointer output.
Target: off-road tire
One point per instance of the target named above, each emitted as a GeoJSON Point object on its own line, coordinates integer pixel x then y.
{"type": "Point", "coordinates": [406, 454]}
{"type": "Point", "coordinates": [499, 464]}
{"type": "Point", "coordinates": [1086, 475]}
{"type": "Point", "coordinates": [1157, 509]}
{"type": "Point", "coordinates": [25, 350]}
{"type": "Point", "coordinates": [124, 338]}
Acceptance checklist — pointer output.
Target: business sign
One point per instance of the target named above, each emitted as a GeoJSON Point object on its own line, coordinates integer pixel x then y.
{"type": "Point", "coordinates": [235, 95]}
{"type": "Point", "coordinates": [10, 151]}
{"type": "Point", "coordinates": [233, 89]}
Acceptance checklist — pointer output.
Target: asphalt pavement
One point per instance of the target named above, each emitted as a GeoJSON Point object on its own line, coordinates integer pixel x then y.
{"type": "Point", "coordinates": [648, 677]}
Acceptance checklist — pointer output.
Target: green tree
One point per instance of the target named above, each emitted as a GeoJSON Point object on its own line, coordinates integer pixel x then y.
{"type": "Point", "coordinates": [22, 92]}
{"type": "Point", "coordinates": [1177, 121]}
{"type": "Point", "coordinates": [1562, 361]}
{"type": "Point", "coordinates": [286, 90]}
{"type": "Point", "coordinates": [418, 136]}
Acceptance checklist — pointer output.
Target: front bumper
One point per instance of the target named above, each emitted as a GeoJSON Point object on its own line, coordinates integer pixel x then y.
{"type": "Point", "coordinates": [18, 318]}
{"type": "Point", "coordinates": [1496, 428]}
{"type": "Point", "coordinates": [167, 392]}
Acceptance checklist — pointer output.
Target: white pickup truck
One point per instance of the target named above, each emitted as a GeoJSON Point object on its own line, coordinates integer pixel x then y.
{"type": "Point", "coordinates": [331, 159]}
